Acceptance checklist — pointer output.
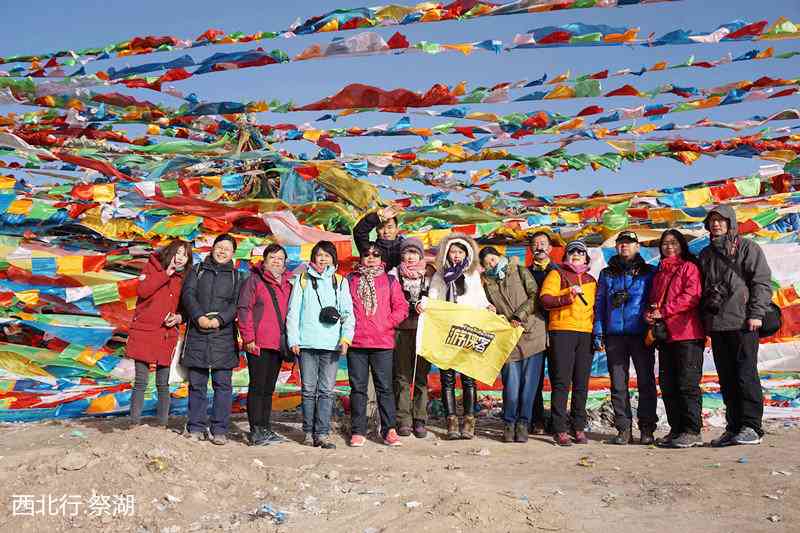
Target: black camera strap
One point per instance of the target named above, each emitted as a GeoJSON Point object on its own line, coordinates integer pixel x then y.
{"type": "Point", "coordinates": [733, 265]}
{"type": "Point", "coordinates": [335, 290]}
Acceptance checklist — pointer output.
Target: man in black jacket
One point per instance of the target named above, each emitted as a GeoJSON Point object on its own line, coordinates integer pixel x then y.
{"type": "Point", "coordinates": [384, 221]}
{"type": "Point", "coordinates": [736, 296]}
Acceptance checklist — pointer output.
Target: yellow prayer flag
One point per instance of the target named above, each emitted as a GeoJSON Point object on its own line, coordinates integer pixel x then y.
{"type": "Point", "coordinates": [698, 197]}
{"type": "Point", "coordinates": [103, 193]}
{"type": "Point", "coordinates": [562, 91]}
{"type": "Point", "coordinates": [472, 341]}
{"type": "Point", "coordinates": [69, 265]}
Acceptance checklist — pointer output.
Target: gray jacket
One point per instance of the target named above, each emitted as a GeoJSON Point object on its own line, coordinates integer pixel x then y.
{"type": "Point", "coordinates": [742, 299]}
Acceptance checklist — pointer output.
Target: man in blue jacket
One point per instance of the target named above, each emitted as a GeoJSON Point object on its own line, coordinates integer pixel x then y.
{"type": "Point", "coordinates": [619, 326]}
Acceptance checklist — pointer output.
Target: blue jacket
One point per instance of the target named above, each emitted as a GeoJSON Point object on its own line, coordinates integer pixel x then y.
{"type": "Point", "coordinates": [303, 327]}
{"type": "Point", "coordinates": [635, 277]}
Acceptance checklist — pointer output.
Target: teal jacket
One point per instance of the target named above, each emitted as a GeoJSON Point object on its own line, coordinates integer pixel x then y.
{"type": "Point", "coordinates": [303, 327]}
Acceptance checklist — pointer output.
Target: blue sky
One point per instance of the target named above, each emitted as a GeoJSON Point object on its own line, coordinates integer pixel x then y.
{"type": "Point", "coordinates": [84, 23]}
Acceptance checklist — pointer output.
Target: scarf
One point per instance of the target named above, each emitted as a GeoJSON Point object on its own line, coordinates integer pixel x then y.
{"type": "Point", "coordinates": [578, 269]}
{"type": "Point", "coordinates": [499, 270]}
{"type": "Point", "coordinates": [415, 271]}
{"type": "Point", "coordinates": [451, 274]}
{"type": "Point", "coordinates": [541, 265]}
{"type": "Point", "coordinates": [727, 245]}
{"type": "Point", "coordinates": [414, 288]}
{"type": "Point", "coordinates": [366, 287]}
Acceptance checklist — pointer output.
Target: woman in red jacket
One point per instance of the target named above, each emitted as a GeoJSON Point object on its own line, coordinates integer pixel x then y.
{"type": "Point", "coordinates": [675, 299]}
{"type": "Point", "coordinates": [379, 306]}
{"type": "Point", "coordinates": [260, 327]}
{"type": "Point", "coordinates": [153, 334]}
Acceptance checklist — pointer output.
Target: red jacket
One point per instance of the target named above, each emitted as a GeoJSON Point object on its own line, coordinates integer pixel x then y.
{"type": "Point", "coordinates": [681, 309]}
{"type": "Point", "coordinates": [149, 340]}
{"type": "Point", "coordinates": [377, 331]}
{"type": "Point", "coordinates": [256, 312]}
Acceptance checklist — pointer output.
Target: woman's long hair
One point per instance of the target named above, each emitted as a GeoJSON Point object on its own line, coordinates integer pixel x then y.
{"type": "Point", "coordinates": [685, 254]}
{"type": "Point", "coordinates": [168, 252]}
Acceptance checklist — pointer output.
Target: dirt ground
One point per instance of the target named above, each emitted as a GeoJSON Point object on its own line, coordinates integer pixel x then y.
{"type": "Point", "coordinates": [101, 475]}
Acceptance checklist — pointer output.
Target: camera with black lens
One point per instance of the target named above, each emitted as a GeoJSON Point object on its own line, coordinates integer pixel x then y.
{"type": "Point", "coordinates": [329, 315]}
{"type": "Point", "coordinates": [713, 299]}
{"type": "Point", "coordinates": [619, 298]}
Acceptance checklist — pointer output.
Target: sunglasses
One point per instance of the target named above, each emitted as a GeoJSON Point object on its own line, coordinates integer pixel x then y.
{"type": "Point", "coordinates": [576, 252]}
{"type": "Point", "coordinates": [372, 254]}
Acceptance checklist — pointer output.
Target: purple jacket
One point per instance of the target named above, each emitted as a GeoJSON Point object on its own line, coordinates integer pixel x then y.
{"type": "Point", "coordinates": [256, 311]}
{"type": "Point", "coordinates": [377, 331]}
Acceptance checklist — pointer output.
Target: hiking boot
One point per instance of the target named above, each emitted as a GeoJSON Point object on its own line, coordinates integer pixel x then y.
{"type": "Point", "coordinates": [562, 439]}
{"type": "Point", "coordinates": [468, 431]}
{"type": "Point", "coordinates": [580, 437]}
{"type": "Point", "coordinates": [308, 440]}
{"type": "Point", "coordinates": [219, 440]}
{"type": "Point", "coordinates": [419, 429]}
{"type": "Point", "coordinates": [508, 433]}
{"type": "Point", "coordinates": [687, 440]}
{"type": "Point", "coordinates": [521, 432]}
{"type": "Point", "coordinates": [404, 431]}
{"type": "Point", "coordinates": [666, 440]}
{"type": "Point", "coordinates": [646, 437]}
{"type": "Point", "coordinates": [325, 442]}
{"type": "Point", "coordinates": [537, 428]}
{"type": "Point", "coordinates": [747, 435]}
{"type": "Point", "coordinates": [622, 438]}
{"type": "Point", "coordinates": [195, 436]}
{"type": "Point", "coordinates": [258, 437]}
{"type": "Point", "coordinates": [273, 438]}
{"type": "Point", "coordinates": [357, 441]}
{"type": "Point", "coordinates": [391, 438]}
{"type": "Point", "coordinates": [452, 428]}
{"type": "Point", "coordinates": [726, 439]}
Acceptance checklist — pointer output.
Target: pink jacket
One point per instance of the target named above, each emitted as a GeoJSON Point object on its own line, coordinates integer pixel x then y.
{"type": "Point", "coordinates": [377, 331]}
{"type": "Point", "coordinates": [681, 309]}
{"type": "Point", "coordinates": [256, 312]}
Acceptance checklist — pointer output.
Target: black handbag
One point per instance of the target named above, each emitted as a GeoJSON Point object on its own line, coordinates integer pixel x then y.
{"type": "Point", "coordinates": [283, 347]}
{"type": "Point", "coordinates": [659, 327]}
{"type": "Point", "coordinates": [773, 318]}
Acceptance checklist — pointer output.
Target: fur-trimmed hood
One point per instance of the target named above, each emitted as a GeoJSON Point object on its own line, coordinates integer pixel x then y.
{"type": "Point", "coordinates": [468, 242]}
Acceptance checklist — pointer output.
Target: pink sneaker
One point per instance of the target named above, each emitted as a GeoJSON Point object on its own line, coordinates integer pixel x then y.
{"type": "Point", "coordinates": [357, 441]}
{"type": "Point", "coordinates": [392, 438]}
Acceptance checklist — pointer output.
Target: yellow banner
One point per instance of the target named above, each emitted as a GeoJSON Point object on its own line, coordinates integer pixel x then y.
{"type": "Point", "coordinates": [473, 341]}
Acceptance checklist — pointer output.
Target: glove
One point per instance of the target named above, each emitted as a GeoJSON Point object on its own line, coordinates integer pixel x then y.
{"type": "Point", "coordinates": [598, 343]}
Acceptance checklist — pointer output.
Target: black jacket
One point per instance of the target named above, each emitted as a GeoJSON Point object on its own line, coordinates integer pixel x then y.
{"type": "Point", "coordinates": [742, 299]}
{"type": "Point", "coordinates": [211, 288]}
{"type": "Point", "coordinates": [391, 249]}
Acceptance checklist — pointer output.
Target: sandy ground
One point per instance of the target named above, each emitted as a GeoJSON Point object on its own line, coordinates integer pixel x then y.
{"type": "Point", "coordinates": [101, 475]}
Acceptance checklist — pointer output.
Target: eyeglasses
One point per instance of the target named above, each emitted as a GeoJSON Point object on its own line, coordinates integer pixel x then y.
{"type": "Point", "coordinates": [372, 254]}
{"type": "Point", "coordinates": [576, 252]}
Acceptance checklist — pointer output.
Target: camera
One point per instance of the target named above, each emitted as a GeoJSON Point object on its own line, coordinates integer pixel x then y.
{"type": "Point", "coordinates": [713, 300]}
{"type": "Point", "coordinates": [619, 298]}
{"type": "Point", "coordinates": [329, 315]}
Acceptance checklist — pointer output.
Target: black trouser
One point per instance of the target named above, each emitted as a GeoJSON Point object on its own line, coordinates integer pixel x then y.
{"type": "Point", "coordinates": [359, 364]}
{"type": "Point", "coordinates": [468, 395]}
{"type": "Point", "coordinates": [537, 416]}
{"type": "Point", "coordinates": [140, 385]}
{"type": "Point", "coordinates": [680, 367]}
{"type": "Point", "coordinates": [263, 370]}
{"type": "Point", "coordinates": [571, 355]}
{"type": "Point", "coordinates": [736, 359]}
{"type": "Point", "coordinates": [620, 350]}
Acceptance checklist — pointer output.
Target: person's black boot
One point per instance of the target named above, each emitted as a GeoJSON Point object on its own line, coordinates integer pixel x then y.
{"type": "Point", "coordinates": [646, 437]}
{"type": "Point", "coordinates": [622, 438]}
{"type": "Point", "coordinates": [449, 401]}
{"type": "Point", "coordinates": [258, 436]}
{"type": "Point", "coordinates": [468, 396]}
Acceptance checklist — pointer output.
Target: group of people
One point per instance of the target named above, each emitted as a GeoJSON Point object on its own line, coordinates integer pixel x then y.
{"type": "Point", "coordinates": [370, 316]}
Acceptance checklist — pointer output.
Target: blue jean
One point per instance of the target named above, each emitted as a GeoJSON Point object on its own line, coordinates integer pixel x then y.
{"type": "Point", "coordinates": [198, 400]}
{"type": "Point", "coordinates": [520, 381]}
{"type": "Point", "coordinates": [318, 377]}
